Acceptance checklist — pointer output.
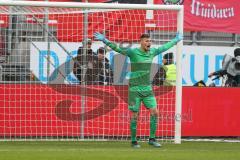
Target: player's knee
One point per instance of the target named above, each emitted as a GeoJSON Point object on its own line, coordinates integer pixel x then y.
{"type": "Point", "coordinates": [134, 115]}
{"type": "Point", "coordinates": [133, 108]}
{"type": "Point", "coordinates": [154, 112]}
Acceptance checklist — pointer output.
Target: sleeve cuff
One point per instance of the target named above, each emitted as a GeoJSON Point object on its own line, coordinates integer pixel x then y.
{"type": "Point", "coordinates": [106, 41]}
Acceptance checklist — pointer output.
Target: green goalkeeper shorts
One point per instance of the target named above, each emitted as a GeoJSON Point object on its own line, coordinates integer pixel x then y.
{"type": "Point", "coordinates": [138, 95]}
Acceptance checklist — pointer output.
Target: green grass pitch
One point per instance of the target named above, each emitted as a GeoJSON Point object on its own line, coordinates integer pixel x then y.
{"type": "Point", "coordinates": [83, 150]}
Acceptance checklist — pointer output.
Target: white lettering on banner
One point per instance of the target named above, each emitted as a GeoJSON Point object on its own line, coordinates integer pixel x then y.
{"type": "Point", "coordinates": [210, 10]}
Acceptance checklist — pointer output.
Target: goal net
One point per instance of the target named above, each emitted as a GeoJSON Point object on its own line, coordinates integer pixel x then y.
{"type": "Point", "coordinates": [58, 82]}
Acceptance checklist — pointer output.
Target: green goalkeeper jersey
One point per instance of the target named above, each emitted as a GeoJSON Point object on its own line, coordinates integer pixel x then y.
{"type": "Point", "coordinates": [141, 62]}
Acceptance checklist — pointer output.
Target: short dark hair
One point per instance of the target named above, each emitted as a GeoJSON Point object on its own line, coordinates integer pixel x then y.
{"type": "Point", "coordinates": [168, 56]}
{"type": "Point", "coordinates": [144, 35]}
{"type": "Point", "coordinates": [87, 41]}
{"type": "Point", "coordinates": [101, 50]}
{"type": "Point", "coordinates": [237, 52]}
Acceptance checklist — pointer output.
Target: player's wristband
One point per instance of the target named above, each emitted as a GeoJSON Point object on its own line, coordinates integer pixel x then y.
{"type": "Point", "coordinates": [105, 40]}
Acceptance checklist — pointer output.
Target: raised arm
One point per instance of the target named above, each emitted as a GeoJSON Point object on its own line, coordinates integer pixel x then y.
{"type": "Point", "coordinates": [101, 37]}
{"type": "Point", "coordinates": [169, 45]}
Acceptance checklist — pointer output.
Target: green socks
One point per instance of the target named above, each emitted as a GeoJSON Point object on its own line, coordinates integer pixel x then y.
{"type": "Point", "coordinates": [133, 127]}
{"type": "Point", "coordinates": [153, 126]}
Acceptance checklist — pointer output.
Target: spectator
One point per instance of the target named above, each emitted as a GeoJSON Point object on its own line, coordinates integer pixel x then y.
{"type": "Point", "coordinates": [166, 74]}
{"type": "Point", "coordinates": [105, 76]}
{"type": "Point", "coordinates": [90, 64]}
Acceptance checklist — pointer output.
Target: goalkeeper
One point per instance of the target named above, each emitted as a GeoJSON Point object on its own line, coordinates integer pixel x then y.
{"type": "Point", "coordinates": [140, 88]}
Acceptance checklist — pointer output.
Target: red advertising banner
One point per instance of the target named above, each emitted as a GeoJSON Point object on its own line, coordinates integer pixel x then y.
{"type": "Point", "coordinates": [54, 110]}
{"type": "Point", "coordinates": [211, 15]}
{"type": "Point", "coordinates": [213, 111]}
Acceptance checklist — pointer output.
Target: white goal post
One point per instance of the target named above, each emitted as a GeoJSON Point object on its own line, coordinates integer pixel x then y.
{"type": "Point", "coordinates": [42, 36]}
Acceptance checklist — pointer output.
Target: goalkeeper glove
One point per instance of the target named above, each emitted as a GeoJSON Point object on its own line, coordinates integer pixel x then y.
{"type": "Point", "coordinates": [179, 37]}
{"type": "Point", "coordinates": [100, 37]}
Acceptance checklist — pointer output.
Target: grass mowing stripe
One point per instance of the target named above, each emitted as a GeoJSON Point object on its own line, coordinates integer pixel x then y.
{"type": "Point", "coordinates": [117, 151]}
